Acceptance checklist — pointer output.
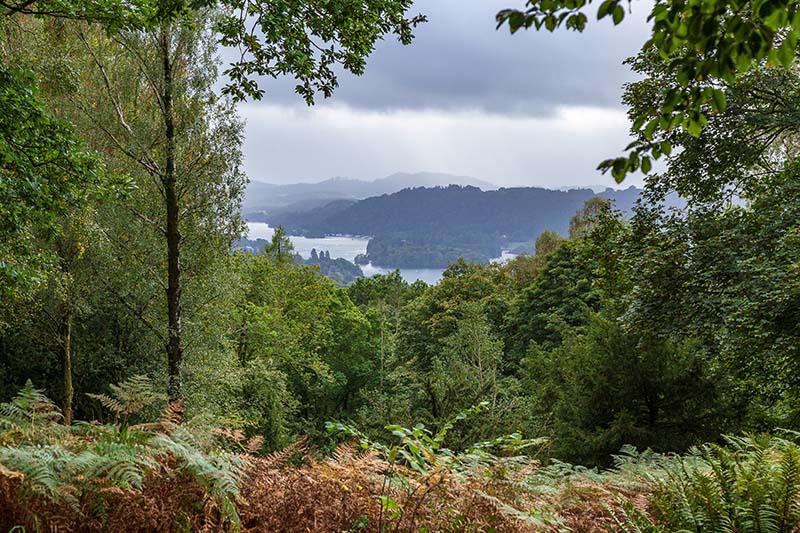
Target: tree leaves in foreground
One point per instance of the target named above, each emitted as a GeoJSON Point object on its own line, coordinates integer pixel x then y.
{"type": "Point", "coordinates": [45, 170]}
{"type": "Point", "coordinates": [704, 43]}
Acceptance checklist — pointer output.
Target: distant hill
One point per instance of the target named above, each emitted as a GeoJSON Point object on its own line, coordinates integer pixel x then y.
{"type": "Point", "coordinates": [519, 213]}
{"type": "Point", "coordinates": [430, 227]}
{"type": "Point", "coordinates": [268, 198]}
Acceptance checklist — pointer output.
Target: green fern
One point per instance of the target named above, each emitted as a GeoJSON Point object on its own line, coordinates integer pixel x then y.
{"type": "Point", "coordinates": [628, 519]}
{"type": "Point", "coordinates": [28, 415]}
{"type": "Point", "coordinates": [40, 468]}
{"type": "Point", "coordinates": [750, 485]}
{"type": "Point", "coordinates": [129, 397]}
{"type": "Point", "coordinates": [217, 472]}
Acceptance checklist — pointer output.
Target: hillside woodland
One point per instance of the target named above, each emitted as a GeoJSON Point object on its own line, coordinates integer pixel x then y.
{"type": "Point", "coordinates": [634, 373]}
{"type": "Point", "coordinates": [426, 227]}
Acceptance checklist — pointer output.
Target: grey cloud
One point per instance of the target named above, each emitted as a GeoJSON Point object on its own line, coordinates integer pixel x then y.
{"type": "Point", "coordinates": [459, 61]}
{"type": "Point", "coordinates": [285, 145]}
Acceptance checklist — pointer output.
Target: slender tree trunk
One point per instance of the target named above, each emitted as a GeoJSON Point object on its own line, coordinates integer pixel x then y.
{"type": "Point", "coordinates": [383, 356]}
{"type": "Point", "coordinates": [169, 180]}
{"type": "Point", "coordinates": [66, 250]}
{"type": "Point", "coordinates": [66, 354]}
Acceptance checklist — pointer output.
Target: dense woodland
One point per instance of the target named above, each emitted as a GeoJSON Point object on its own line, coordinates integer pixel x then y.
{"type": "Point", "coordinates": [152, 377]}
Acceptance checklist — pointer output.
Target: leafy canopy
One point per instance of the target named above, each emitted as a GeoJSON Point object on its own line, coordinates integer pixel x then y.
{"type": "Point", "coordinates": [44, 171]}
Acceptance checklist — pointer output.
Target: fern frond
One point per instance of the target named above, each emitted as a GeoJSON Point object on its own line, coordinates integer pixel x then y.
{"type": "Point", "coordinates": [130, 396]}
{"type": "Point", "coordinates": [29, 407]}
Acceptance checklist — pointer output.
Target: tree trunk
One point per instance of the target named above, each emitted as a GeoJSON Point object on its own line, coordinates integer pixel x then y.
{"type": "Point", "coordinates": [66, 354]}
{"type": "Point", "coordinates": [169, 181]}
{"type": "Point", "coordinates": [383, 356]}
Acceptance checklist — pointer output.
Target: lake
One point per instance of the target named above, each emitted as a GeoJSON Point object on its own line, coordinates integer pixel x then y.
{"type": "Point", "coordinates": [348, 248]}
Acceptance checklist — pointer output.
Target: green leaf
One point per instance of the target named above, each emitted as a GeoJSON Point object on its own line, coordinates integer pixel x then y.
{"type": "Point", "coordinates": [651, 128]}
{"type": "Point", "coordinates": [718, 102]}
{"type": "Point", "coordinates": [605, 8]}
{"type": "Point", "coordinates": [646, 165]}
{"type": "Point", "coordinates": [619, 169]}
{"type": "Point", "coordinates": [786, 54]}
{"type": "Point", "coordinates": [694, 128]}
{"type": "Point", "coordinates": [618, 15]}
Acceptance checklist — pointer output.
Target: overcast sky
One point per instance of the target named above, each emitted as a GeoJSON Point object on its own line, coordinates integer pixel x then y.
{"type": "Point", "coordinates": [529, 109]}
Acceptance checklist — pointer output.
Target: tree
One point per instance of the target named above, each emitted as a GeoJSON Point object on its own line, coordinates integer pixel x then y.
{"type": "Point", "coordinates": [156, 85]}
{"type": "Point", "coordinates": [582, 222]}
{"type": "Point", "coordinates": [295, 38]}
{"type": "Point", "coordinates": [280, 248]}
{"type": "Point", "coordinates": [45, 170]}
{"type": "Point", "coordinates": [470, 370]}
{"type": "Point", "coordinates": [751, 139]}
{"type": "Point", "coordinates": [118, 282]}
{"type": "Point", "coordinates": [604, 387]}
{"type": "Point", "coordinates": [705, 271]}
{"type": "Point", "coordinates": [547, 242]}
{"type": "Point", "coordinates": [426, 321]}
{"type": "Point", "coordinates": [296, 322]}
{"type": "Point", "coordinates": [562, 292]}
{"type": "Point", "coordinates": [727, 277]}
{"type": "Point", "coordinates": [160, 41]}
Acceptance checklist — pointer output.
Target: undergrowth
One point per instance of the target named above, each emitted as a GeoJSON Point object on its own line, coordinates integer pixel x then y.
{"type": "Point", "coordinates": [91, 476]}
{"type": "Point", "coordinates": [166, 476]}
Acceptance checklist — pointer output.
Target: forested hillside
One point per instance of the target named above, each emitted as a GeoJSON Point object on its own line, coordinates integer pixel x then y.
{"type": "Point", "coordinates": [432, 227]}
{"type": "Point", "coordinates": [517, 213]}
{"type": "Point", "coordinates": [636, 372]}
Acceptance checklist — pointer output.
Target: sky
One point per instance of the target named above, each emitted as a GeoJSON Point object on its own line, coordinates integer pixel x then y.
{"type": "Point", "coordinates": [530, 109]}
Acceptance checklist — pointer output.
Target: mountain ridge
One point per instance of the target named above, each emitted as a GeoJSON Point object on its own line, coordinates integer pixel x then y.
{"type": "Point", "coordinates": [262, 197]}
{"type": "Point", "coordinates": [429, 227]}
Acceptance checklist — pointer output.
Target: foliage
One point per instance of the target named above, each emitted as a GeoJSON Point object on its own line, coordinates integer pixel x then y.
{"type": "Point", "coordinates": [389, 289]}
{"type": "Point", "coordinates": [293, 39]}
{"type": "Point", "coordinates": [727, 278]}
{"type": "Point", "coordinates": [79, 474]}
{"type": "Point", "coordinates": [605, 387]}
{"type": "Point", "coordinates": [129, 397]}
{"type": "Point", "coordinates": [45, 169]}
{"type": "Point", "coordinates": [662, 332]}
{"type": "Point", "coordinates": [739, 147]}
{"type": "Point", "coordinates": [562, 292]}
{"type": "Point", "coordinates": [424, 452]}
{"type": "Point", "coordinates": [751, 484]}
{"type": "Point", "coordinates": [704, 45]}
{"type": "Point", "coordinates": [280, 248]}
{"type": "Point", "coordinates": [306, 41]}
{"type": "Point", "coordinates": [297, 323]}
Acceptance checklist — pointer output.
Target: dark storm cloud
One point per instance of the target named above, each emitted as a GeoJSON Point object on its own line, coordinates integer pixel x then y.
{"type": "Point", "coordinates": [460, 61]}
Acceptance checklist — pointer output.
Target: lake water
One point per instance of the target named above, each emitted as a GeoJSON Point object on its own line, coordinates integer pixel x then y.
{"type": "Point", "coordinates": [348, 248]}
